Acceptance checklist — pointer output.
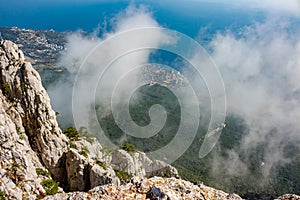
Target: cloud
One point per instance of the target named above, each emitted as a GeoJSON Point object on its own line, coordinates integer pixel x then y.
{"type": "Point", "coordinates": [134, 17]}
{"type": "Point", "coordinates": [261, 69]}
{"type": "Point", "coordinates": [272, 6]}
{"type": "Point", "coordinates": [98, 54]}
{"type": "Point", "coordinates": [289, 6]}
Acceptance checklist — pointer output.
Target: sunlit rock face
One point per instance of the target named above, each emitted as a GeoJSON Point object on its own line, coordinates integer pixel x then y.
{"type": "Point", "coordinates": [34, 149]}
{"type": "Point", "coordinates": [29, 134]}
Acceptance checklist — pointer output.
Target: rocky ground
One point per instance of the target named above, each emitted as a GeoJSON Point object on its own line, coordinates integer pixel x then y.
{"type": "Point", "coordinates": [38, 161]}
{"type": "Point", "coordinates": [151, 188]}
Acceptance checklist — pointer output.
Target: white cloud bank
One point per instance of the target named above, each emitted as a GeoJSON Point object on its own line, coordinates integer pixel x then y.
{"type": "Point", "coordinates": [261, 71]}
{"type": "Point", "coordinates": [260, 67]}
{"type": "Point", "coordinates": [272, 6]}
{"type": "Point", "coordinates": [78, 49]}
{"type": "Point", "coordinates": [289, 6]}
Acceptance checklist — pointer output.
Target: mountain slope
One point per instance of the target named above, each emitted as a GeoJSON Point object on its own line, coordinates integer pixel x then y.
{"type": "Point", "coordinates": [35, 155]}
{"type": "Point", "coordinates": [30, 136]}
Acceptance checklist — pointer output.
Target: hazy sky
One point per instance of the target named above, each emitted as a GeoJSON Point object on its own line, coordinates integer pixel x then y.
{"type": "Point", "coordinates": [64, 15]}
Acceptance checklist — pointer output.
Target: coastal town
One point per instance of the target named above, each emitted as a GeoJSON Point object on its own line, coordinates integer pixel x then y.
{"type": "Point", "coordinates": [41, 47]}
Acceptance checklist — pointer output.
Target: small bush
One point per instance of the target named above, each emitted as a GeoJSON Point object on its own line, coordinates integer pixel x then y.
{"type": "Point", "coordinates": [72, 145]}
{"type": "Point", "coordinates": [18, 129]}
{"type": "Point", "coordinates": [101, 164]}
{"type": "Point", "coordinates": [6, 87]}
{"type": "Point", "coordinates": [123, 176]}
{"type": "Point", "coordinates": [71, 133]}
{"type": "Point", "coordinates": [168, 174]}
{"type": "Point", "coordinates": [128, 147]}
{"type": "Point", "coordinates": [2, 195]}
{"type": "Point", "coordinates": [84, 151]}
{"type": "Point", "coordinates": [50, 186]}
{"type": "Point", "coordinates": [42, 172]}
{"type": "Point", "coordinates": [14, 167]}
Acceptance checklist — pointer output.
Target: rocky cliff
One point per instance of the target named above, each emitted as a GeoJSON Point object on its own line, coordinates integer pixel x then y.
{"type": "Point", "coordinates": [29, 134]}
{"type": "Point", "coordinates": [35, 155]}
{"type": "Point", "coordinates": [38, 161]}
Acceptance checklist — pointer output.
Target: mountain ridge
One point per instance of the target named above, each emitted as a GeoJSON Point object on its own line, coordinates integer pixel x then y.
{"type": "Point", "coordinates": [36, 155]}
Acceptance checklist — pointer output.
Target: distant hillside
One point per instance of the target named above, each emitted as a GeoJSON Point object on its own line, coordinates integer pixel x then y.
{"type": "Point", "coordinates": [283, 179]}
{"type": "Point", "coordinates": [39, 160]}
{"type": "Point", "coordinates": [41, 47]}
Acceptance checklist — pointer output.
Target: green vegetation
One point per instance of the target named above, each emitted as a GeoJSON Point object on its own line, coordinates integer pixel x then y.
{"type": "Point", "coordinates": [123, 176]}
{"type": "Point", "coordinates": [6, 87]}
{"type": "Point", "coordinates": [139, 108]}
{"type": "Point", "coordinates": [71, 133]}
{"type": "Point", "coordinates": [101, 164]}
{"type": "Point", "coordinates": [128, 147]}
{"type": "Point", "coordinates": [50, 186]}
{"type": "Point", "coordinates": [284, 178]}
{"type": "Point", "coordinates": [84, 151]}
{"type": "Point", "coordinates": [23, 86]}
{"type": "Point", "coordinates": [14, 167]}
{"type": "Point", "coordinates": [42, 172]}
{"type": "Point", "coordinates": [18, 129]}
{"type": "Point", "coordinates": [2, 195]}
{"type": "Point", "coordinates": [73, 145]}
{"type": "Point", "coordinates": [74, 135]}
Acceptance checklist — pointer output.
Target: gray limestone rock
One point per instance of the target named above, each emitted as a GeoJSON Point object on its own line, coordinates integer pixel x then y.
{"type": "Point", "coordinates": [29, 134]}
{"type": "Point", "coordinates": [138, 164]}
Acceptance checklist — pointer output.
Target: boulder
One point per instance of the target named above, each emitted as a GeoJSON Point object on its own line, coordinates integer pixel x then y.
{"type": "Point", "coordinates": [87, 169]}
{"type": "Point", "coordinates": [101, 175]}
{"type": "Point", "coordinates": [77, 171]}
{"type": "Point", "coordinates": [138, 164]}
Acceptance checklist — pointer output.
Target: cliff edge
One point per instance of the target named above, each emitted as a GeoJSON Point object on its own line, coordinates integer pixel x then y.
{"type": "Point", "coordinates": [38, 161]}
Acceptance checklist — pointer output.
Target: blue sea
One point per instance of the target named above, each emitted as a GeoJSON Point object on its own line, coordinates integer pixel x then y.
{"type": "Point", "coordinates": [187, 16]}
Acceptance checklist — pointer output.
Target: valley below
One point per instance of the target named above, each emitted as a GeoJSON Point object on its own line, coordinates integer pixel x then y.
{"type": "Point", "coordinates": [37, 151]}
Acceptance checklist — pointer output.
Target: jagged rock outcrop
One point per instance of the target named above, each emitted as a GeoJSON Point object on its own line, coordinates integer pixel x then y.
{"type": "Point", "coordinates": [139, 164]}
{"type": "Point", "coordinates": [29, 134]}
{"type": "Point", "coordinates": [86, 168]}
{"type": "Point", "coordinates": [152, 189]}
